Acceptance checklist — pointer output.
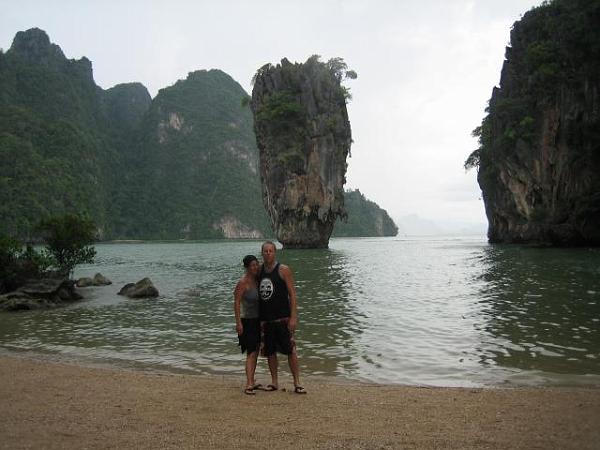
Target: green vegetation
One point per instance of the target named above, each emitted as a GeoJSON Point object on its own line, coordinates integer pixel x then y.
{"type": "Point", "coordinates": [283, 108]}
{"type": "Point", "coordinates": [47, 167]}
{"type": "Point", "coordinates": [554, 48]}
{"type": "Point", "coordinates": [17, 264]}
{"type": "Point", "coordinates": [69, 241]}
{"type": "Point", "coordinates": [201, 165]}
{"type": "Point", "coordinates": [364, 218]}
{"type": "Point", "coordinates": [67, 146]}
{"type": "Point", "coordinates": [168, 168]}
{"type": "Point", "coordinates": [339, 69]}
{"type": "Point", "coordinates": [283, 115]}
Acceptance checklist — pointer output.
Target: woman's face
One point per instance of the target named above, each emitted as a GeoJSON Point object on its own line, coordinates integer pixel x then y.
{"type": "Point", "coordinates": [253, 268]}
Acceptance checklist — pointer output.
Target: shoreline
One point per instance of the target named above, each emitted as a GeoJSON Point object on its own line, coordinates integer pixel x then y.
{"type": "Point", "coordinates": [48, 404]}
{"type": "Point", "coordinates": [588, 381]}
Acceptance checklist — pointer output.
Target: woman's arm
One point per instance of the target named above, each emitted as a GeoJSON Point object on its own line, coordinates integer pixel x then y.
{"type": "Point", "coordinates": [237, 298]}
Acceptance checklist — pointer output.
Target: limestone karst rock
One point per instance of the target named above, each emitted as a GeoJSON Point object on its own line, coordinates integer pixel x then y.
{"type": "Point", "coordinates": [303, 135]}
{"type": "Point", "coordinates": [539, 154]}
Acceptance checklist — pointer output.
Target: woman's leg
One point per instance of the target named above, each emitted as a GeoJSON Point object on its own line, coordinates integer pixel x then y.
{"type": "Point", "coordinates": [251, 368]}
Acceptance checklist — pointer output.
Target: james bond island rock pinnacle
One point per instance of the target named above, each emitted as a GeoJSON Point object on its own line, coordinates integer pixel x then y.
{"type": "Point", "coordinates": [539, 154]}
{"type": "Point", "coordinates": [303, 136]}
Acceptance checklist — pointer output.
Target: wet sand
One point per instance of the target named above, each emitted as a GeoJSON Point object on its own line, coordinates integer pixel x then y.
{"type": "Point", "coordinates": [50, 405]}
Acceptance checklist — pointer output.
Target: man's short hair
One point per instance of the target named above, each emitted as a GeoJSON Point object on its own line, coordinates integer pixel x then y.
{"type": "Point", "coordinates": [262, 247]}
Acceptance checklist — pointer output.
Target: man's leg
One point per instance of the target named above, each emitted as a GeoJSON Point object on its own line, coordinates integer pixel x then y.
{"type": "Point", "coordinates": [293, 362]}
{"type": "Point", "coordinates": [273, 363]}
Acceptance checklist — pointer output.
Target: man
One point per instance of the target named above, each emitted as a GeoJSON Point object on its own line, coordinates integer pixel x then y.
{"type": "Point", "coordinates": [278, 315]}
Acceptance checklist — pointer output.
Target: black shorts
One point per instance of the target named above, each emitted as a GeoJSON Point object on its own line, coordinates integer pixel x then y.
{"type": "Point", "coordinates": [249, 340]}
{"type": "Point", "coordinates": [277, 338]}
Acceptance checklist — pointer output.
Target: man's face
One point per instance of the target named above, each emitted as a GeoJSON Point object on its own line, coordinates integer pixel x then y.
{"type": "Point", "coordinates": [268, 254]}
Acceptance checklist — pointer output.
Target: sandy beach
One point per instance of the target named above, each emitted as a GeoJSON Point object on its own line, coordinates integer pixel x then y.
{"type": "Point", "coordinates": [51, 405]}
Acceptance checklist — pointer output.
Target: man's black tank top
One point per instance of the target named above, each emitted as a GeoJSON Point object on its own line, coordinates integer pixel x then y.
{"type": "Point", "coordinates": [274, 296]}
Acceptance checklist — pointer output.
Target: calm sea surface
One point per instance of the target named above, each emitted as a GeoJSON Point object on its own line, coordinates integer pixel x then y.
{"type": "Point", "coordinates": [443, 311]}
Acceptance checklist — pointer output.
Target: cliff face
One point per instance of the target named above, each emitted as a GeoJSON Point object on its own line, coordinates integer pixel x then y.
{"type": "Point", "coordinates": [303, 136]}
{"type": "Point", "coordinates": [539, 154]}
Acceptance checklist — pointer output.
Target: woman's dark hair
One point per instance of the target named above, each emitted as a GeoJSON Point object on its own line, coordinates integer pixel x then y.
{"type": "Point", "coordinates": [248, 259]}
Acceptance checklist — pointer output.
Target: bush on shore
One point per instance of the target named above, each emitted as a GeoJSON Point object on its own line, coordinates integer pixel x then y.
{"type": "Point", "coordinates": [68, 241]}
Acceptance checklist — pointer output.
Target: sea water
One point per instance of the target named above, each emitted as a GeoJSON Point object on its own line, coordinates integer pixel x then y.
{"type": "Point", "coordinates": [424, 311]}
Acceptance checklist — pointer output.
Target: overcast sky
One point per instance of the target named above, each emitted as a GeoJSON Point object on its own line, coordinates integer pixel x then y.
{"type": "Point", "coordinates": [426, 69]}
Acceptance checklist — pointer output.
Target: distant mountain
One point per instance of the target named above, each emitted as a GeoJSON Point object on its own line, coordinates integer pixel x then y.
{"type": "Point", "coordinates": [365, 218]}
{"type": "Point", "coordinates": [413, 225]}
{"type": "Point", "coordinates": [181, 165]}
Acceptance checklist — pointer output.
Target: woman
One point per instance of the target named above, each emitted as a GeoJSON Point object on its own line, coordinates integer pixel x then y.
{"type": "Point", "coordinates": [245, 306]}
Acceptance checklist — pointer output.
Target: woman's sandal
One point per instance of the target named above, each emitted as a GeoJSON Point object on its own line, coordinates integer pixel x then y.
{"type": "Point", "coordinates": [299, 390]}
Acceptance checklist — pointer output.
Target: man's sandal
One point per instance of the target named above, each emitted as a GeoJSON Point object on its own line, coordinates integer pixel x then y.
{"type": "Point", "coordinates": [270, 388]}
{"type": "Point", "coordinates": [249, 390]}
{"type": "Point", "coordinates": [299, 390]}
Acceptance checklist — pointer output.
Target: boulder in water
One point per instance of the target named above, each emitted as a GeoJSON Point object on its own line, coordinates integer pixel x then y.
{"type": "Point", "coordinates": [101, 280]}
{"type": "Point", "coordinates": [40, 294]}
{"type": "Point", "coordinates": [85, 282]}
{"type": "Point", "coordinates": [141, 289]}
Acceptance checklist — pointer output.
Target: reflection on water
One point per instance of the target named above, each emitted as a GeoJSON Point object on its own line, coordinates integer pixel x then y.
{"type": "Point", "coordinates": [541, 306]}
{"type": "Point", "coordinates": [330, 320]}
{"type": "Point", "coordinates": [424, 311]}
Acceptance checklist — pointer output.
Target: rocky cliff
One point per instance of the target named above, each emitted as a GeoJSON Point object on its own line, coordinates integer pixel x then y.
{"type": "Point", "coordinates": [182, 165]}
{"type": "Point", "coordinates": [303, 135]}
{"type": "Point", "coordinates": [539, 154]}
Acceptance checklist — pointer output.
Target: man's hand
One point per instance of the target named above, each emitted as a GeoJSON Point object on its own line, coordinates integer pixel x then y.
{"type": "Point", "coordinates": [292, 324]}
{"type": "Point", "coordinates": [239, 328]}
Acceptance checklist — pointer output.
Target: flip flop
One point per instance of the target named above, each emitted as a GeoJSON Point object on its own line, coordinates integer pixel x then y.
{"type": "Point", "coordinates": [249, 391]}
{"type": "Point", "coordinates": [270, 388]}
{"type": "Point", "coordinates": [299, 390]}
{"type": "Point", "coordinates": [258, 387]}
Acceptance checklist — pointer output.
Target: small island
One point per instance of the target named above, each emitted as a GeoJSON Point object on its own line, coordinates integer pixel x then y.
{"type": "Point", "coordinates": [303, 135]}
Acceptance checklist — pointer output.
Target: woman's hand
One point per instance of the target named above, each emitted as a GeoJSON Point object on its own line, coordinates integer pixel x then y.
{"type": "Point", "coordinates": [239, 328]}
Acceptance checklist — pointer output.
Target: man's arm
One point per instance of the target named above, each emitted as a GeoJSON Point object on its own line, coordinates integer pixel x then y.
{"type": "Point", "coordinates": [237, 298]}
{"type": "Point", "coordinates": [288, 277]}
